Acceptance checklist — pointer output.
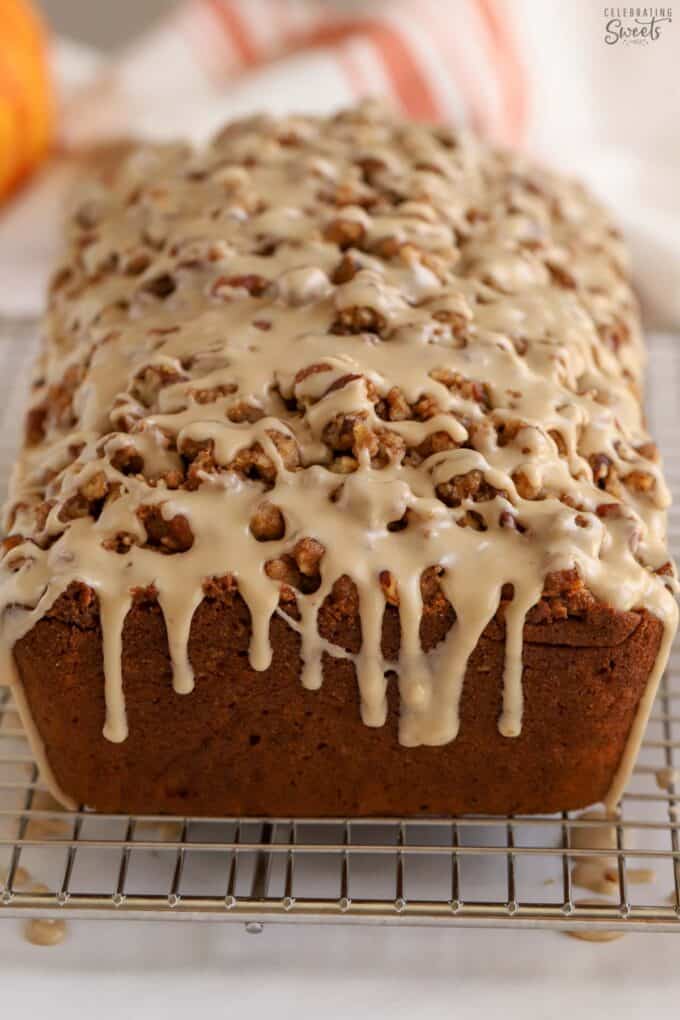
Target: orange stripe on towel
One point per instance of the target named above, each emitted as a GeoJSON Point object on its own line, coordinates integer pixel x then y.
{"type": "Point", "coordinates": [454, 57]}
{"type": "Point", "coordinates": [238, 32]}
{"type": "Point", "coordinates": [409, 83]}
{"type": "Point", "coordinates": [509, 67]}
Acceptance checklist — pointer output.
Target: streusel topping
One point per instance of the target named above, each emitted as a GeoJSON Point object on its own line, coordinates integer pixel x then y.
{"type": "Point", "coordinates": [329, 349]}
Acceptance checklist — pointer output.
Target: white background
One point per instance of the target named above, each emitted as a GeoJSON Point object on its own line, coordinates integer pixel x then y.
{"type": "Point", "coordinates": [177, 969]}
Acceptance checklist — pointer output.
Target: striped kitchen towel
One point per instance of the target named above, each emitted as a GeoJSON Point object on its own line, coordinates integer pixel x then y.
{"type": "Point", "coordinates": [449, 60]}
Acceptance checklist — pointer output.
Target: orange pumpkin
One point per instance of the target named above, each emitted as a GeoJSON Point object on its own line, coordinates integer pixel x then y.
{"type": "Point", "coordinates": [26, 100]}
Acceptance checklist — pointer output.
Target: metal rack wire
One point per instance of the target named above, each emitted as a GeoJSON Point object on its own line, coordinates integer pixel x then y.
{"type": "Point", "coordinates": [514, 872]}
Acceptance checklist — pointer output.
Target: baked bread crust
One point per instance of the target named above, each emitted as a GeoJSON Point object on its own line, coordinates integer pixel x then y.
{"type": "Point", "coordinates": [259, 744]}
{"type": "Point", "coordinates": [337, 401]}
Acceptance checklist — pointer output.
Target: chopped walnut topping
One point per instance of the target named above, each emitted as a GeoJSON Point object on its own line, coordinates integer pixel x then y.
{"type": "Point", "coordinates": [339, 432]}
{"type": "Point", "coordinates": [137, 262]}
{"type": "Point", "coordinates": [469, 389]}
{"type": "Point", "coordinates": [472, 486]}
{"type": "Point", "coordinates": [436, 442]}
{"type": "Point", "coordinates": [394, 406]}
{"type": "Point", "coordinates": [561, 276]}
{"type": "Point", "coordinates": [371, 168]}
{"type": "Point", "coordinates": [614, 334]}
{"type": "Point", "coordinates": [285, 570]}
{"type": "Point", "coordinates": [666, 570]}
{"type": "Point", "coordinates": [507, 431]}
{"type": "Point", "coordinates": [605, 510]}
{"type": "Point", "coordinates": [160, 286]}
{"type": "Point", "coordinates": [173, 479]}
{"type": "Point", "coordinates": [640, 481]}
{"type": "Point", "coordinates": [36, 423]}
{"type": "Point", "coordinates": [169, 536]}
{"type": "Point", "coordinates": [526, 488]}
{"type": "Point", "coordinates": [347, 194]}
{"type": "Point", "coordinates": [351, 433]}
{"type": "Point", "coordinates": [60, 277]}
{"type": "Point", "coordinates": [95, 487]}
{"type": "Point", "coordinates": [310, 370]}
{"type": "Point", "coordinates": [308, 554]}
{"type": "Point", "coordinates": [346, 269]}
{"type": "Point", "coordinates": [202, 465]}
{"type": "Point", "coordinates": [267, 523]}
{"type": "Point", "coordinates": [359, 320]}
{"type": "Point", "coordinates": [212, 394]}
{"type": "Point", "coordinates": [387, 247]}
{"type": "Point", "coordinates": [472, 519]}
{"type": "Point", "coordinates": [90, 498]}
{"type": "Point", "coordinates": [252, 461]}
{"type": "Point", "coordinates": [345, 233]}
{"type": "Point", "coordinates": [426, 407]}
{"type": "Point", "coordinates": [252, 283]}
{"type": "Point", "coordinates": [388, 583]}
{"type": "Point", "coordinates": [343, 465]}
{"type": "Point", "coordinates": [245, 411]}
{"type": "Point", "coordinates": [56, 408]}
{"type": "Point", "coordinates": [558, 440]}
{"type": "Point", "coordinates": [11, 542]}
{"type": "Point", "coordinates": [121, 542]}
{"type": "Point", "coordinates": [649, 451]}
{"type": "Point", "coordinates": [604, 473]}
{"type": "Point", "coordinates": [41, 512]}
{"type": "Point", "coordinates": [127, 460]}
{"type": "Point", "coordinates": [456, 323]}
{"type": "Point", "coordinates": [151, 379]}
{"type": "Point", "coordinates": [508, 520]}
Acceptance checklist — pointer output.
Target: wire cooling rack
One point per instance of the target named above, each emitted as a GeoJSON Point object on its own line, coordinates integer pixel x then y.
{"type": "Point", "coordinates": [515, 872]}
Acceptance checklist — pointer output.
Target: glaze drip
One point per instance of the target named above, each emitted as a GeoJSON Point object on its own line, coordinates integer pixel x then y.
{"type": "Point", "coordinates": [330, 349]}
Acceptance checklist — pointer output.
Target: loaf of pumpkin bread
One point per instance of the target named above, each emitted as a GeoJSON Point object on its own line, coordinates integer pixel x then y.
{"type": "Point", "coordinates": [336, 497]}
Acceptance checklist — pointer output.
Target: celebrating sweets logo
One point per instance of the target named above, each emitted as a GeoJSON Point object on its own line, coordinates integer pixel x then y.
{"type": "Point", "coordinates": [635, 25]}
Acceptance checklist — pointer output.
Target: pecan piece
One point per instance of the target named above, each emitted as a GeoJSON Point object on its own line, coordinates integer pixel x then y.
{"type": "Point", "coordinates": [253, 283]}
{"type": "Point", "coordinates": [346, 269]}
{"type": "Point", "coordinates": [169, 536]}
{"type": "Point", "coordinates": [267, 523]}
{"type": "Point", "coordinates": [471, 485]}
{"type": "Point", "coordinates": [345, 233]}
{"type": "Point", "coordinates": [308, 554]}
{"type": "Point", "coordinates": [360, 319]}
{"type": "Point", "coordinates": [640, 481]}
